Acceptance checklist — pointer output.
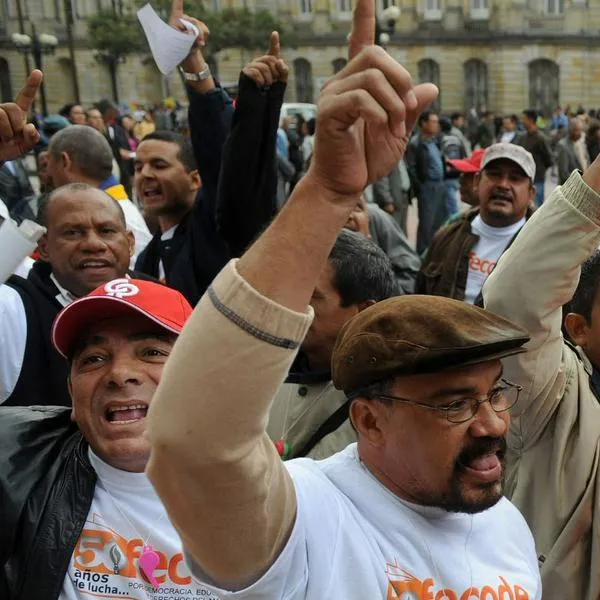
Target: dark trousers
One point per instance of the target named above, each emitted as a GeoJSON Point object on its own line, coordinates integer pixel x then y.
{"type": "Point", "coordinates": [433, 212]}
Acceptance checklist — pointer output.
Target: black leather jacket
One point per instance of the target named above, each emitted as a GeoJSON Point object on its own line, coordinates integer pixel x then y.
{"type": "Point", "coordinates": [46, 490]}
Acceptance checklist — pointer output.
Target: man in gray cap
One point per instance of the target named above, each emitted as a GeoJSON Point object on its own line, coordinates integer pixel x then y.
{"type": "Point", "coordinates": [416, 508]}
{"type": "Point", "coordinates": [465, 251]}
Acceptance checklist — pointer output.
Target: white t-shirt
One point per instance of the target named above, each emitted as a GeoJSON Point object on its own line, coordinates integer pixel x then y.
{"type": "Point", "coordinates": [108, 539]}
{"type": "Point", "coordinates": [486, 252]}
{"type": "Point", "coordinates": [136, 224]}
{"type": "Point", "coordinates": [355, 540]}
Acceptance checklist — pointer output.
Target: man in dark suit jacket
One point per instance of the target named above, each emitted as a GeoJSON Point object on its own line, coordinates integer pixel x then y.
{"type": "Point", "coordinates": [16, 190]}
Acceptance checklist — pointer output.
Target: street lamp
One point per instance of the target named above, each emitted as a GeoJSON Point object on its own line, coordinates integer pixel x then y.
{"type": "Point", "coordinates": [36, 45]}
{"type": "Point", "coordinates": [389, 18]}
{"type": "Point", "coordinates": [111, 60]}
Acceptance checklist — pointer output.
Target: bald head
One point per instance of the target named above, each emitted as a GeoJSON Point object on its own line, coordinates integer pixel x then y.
{"type": "Point", "coordinates": [79, 153]}
{"type": "Point", "coordinates": [86, 243]}
{"type": "Point", "coordinates": [575, 129]}
{"type": "Point", "coordinates": [78, 193]}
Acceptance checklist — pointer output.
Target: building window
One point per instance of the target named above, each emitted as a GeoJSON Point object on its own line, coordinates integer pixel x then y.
{"type": "Point", "coordinates": [429, 72]}
{"type": "Point", "coordinates": [6, 94]}
{"type": "Point", "coordinates": [10, 8]}
{"type": "Point", "coordinates": [338, 64]}
{"type": "Point", "coordinates": [306, 7]}
{"type": "Point", "coordinates": [554, 7]}
{"type": "Point", "coordinates": [304, 80]}
{"type": "Point", "coordinates": [344, 7]}
{"type": "Point", "coordinates": [432, 10]}
{"type": "Point", "coordinates": [544, 86]}
{"type": "Point", "coordinates": [476, 85]}
{"type": "Point", "coordinates": [480, 9]}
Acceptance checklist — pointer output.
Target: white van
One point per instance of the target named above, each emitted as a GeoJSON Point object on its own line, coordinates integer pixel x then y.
{"type": "Point", "coordinates": [292, 109]}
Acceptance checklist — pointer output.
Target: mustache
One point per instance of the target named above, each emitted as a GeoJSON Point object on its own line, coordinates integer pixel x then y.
{"type": "Point", "coordinates": [501, 195]}
{"type": "Point", "coordinates": [482, 447]}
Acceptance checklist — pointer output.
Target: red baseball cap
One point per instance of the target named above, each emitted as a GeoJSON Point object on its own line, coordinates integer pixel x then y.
{"type": "Point", "coordinates": [471, 164]}
{"type": "Point", "coordinates": [163, 305]}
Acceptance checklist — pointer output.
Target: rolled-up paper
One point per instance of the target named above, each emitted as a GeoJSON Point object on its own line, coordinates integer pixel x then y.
{"type": "Point", "coordinates": [16, 244]}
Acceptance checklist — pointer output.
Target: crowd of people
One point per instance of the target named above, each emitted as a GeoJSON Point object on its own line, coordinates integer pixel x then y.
{"type": "Point", "coordinates": [229, 373]}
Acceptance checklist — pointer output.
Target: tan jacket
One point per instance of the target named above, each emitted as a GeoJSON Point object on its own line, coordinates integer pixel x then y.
{"type": "Point", "coordinates": [552, 474]}
{"type": "Point", "coordinates": [300, 409]}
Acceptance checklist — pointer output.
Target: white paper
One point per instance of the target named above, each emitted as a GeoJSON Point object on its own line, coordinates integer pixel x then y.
{"type": "Point", "coordinates": [16, 244]}
{"type": "Point", "coordinates": [169, 46]}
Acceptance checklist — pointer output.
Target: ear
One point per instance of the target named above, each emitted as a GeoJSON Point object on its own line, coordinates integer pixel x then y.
{"type": "Point", "coordinates": [65, 161]}
{"type": "Point", "coordinates": [195, 179]}
{"type": "Point", "coordinates": [365, 415]}
{"type": "Point", "coordinates": [43, 247]}
{"type": "Point", "coordinates": [577, 328]}
{"type": "Point", "coordinates": [131, 242]}
{"type": "Point", "coordinates": [477, 179]}
{"type": "Point", "coordinates": [364, 304]}
{"type": "Point", "coordinates": [532, 193]}
{"type": "Point", "coordinates": [70, 388]}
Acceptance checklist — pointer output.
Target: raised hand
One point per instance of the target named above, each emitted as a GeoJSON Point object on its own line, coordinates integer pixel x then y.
{"type": "Point", "coordinates": [16, 135]}
{"type": "Point", "coordinates": [366, 113]}
{"type": "Point", "coordinates": [269, 68]}
{"type": "Point", "coordinates": [175, 21]}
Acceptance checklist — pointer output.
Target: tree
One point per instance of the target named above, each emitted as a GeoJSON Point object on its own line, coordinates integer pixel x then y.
{"type": "Point", "coordinates": [233, 27]}
{"type": "Point", "coordinates": [114, 35]}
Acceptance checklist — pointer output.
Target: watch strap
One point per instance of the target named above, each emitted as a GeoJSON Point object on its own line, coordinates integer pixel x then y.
{"type": "Point", "coordinates": [198, 76]}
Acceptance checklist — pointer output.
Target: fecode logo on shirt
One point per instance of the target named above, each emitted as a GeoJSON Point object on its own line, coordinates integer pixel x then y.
{"type": "Point", "coordinates": [405, 586]}
{"type": "Point", "coordinates": [480, 265]}
{"type": "Point", "coordinates": [106, 564]}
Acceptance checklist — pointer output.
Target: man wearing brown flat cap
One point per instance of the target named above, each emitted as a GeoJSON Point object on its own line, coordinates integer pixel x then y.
{"type": "Point", "coordinates": [416, 508]}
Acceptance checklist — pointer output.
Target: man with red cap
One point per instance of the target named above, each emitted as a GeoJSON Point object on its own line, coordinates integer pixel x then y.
{"type": "Point", "coordinates": [79, 517]}
{"type": "Point", "coordinates": [464, 252]}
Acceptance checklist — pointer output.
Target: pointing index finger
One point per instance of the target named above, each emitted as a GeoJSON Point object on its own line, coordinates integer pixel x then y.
{"type": "Point", "coordinates": [363, 27]}
{"type": "Point", "coordinates": [177, 9]}
{"type": "Point", "coordinates": [27, 95]}
{"type": "Point", "coordinates": [275, 49]}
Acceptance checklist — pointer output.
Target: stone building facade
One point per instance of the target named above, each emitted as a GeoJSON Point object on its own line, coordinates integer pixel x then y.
{"type": "Point", "coordinates": [505, 55]}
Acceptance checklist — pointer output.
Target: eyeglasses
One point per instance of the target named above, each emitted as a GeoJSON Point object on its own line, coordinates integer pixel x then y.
{"type": "Point", "coordinates": [502, 398]}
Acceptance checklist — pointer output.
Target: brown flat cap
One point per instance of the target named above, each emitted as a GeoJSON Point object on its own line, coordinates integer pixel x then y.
{"type": "Point", "coordinates": [408, 335]}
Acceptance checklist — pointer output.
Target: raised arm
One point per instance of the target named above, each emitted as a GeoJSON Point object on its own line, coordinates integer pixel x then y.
{"type": "Point", "coordinates": [215, 468]}
{"type": "Point", "coordinates": [247, 196]}
{"type": "Point", "coordinates": [211, 108]}
{"type": "Point", "coordinates": [532, 281]}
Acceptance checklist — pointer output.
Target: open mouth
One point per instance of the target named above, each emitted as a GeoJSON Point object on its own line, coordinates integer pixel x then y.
{"type": "Point", "coordinates": [124, 415]}
{"type": "Point", "coordinates": [486, 468]}
{"type": "Point", "coordinates": [94, 264]}
{"type": "Point", "coordinates": [151, 192]}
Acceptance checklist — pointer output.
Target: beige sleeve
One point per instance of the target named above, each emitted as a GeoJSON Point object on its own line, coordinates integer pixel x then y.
{"type": "Point", "coordinates": [532, 281]}
{"type": "Point", "coordinates": [219, 475]}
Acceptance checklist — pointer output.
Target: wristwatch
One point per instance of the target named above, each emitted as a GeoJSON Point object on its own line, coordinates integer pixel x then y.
{"type": "Point", "coordinates": [199, 76]}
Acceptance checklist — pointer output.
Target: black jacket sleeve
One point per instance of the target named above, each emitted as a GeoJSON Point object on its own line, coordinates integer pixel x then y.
{"type": "Point", "coordinates": [31, 440]}
{"type": "Point", "coordinates": [247, 197]}
{"type": "Point", "coordinates": [210, 118]}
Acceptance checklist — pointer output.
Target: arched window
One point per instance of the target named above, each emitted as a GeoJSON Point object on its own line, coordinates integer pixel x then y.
{"type": "Point", "coordinates": [544, 86]}
{"type": "Point", "coordinates": [338, 64]}
{"type": "Point", "coordinates": [429, 72]}
{"type": "Point", "coordinates": [6, 94]}
{"type": "Point", "coordinates": [304, 80]}
{"type": "Point", "coordinates": [476, 85]}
